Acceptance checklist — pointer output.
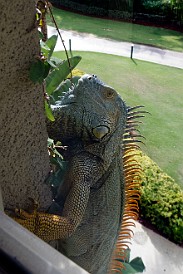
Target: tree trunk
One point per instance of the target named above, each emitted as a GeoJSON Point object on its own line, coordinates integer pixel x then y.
{"type": "Point", "coordinates": [23, 150]}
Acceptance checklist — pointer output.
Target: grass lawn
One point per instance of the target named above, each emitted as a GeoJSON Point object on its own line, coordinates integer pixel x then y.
{"type": "Point", "coordinates": [120, 31]}
{"type": "Point", "coordinates": [160, 89]}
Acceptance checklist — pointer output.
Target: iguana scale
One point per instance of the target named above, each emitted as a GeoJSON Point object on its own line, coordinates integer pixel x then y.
{"type": "Point", "coordinates": [100, 190]}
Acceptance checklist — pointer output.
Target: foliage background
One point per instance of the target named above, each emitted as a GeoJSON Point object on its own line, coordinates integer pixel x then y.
{"type": "Point", "coordinates": [162, 12]}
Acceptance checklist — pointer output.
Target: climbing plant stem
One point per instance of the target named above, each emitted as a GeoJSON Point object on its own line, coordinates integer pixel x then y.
{"type": "Point", "coordinates": [59, 33]}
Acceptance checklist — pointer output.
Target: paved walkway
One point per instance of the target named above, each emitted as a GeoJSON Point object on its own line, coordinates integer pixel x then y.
{"type": "Point", "coordinates": [90, 42]}
{"type": "Point", "coordinates": [159, 255]}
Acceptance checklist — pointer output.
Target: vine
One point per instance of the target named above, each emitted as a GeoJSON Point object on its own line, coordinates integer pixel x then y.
{"type": "Point", "coordinates": [47, 70]}
{"type": "Point", "coordinates": [52, 73]}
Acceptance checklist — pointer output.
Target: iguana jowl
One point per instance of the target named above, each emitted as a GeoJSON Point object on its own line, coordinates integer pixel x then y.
{"type": "Point", "coordinates": [91, 120]}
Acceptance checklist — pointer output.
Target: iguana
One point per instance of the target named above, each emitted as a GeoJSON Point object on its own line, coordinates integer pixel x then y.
{"type": "Point", "coordinates": [98, 196]}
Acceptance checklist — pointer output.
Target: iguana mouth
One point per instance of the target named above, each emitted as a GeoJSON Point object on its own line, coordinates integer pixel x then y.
{"type": "Point", "coordinates": [100, 131]}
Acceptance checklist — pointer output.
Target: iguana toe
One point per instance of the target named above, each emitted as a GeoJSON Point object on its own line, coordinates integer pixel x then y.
{"type": "Point", "coordinates": [26, 219]}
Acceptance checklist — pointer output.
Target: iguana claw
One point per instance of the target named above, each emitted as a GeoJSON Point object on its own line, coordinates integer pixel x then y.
{"type": "Point", "coordinates": [26, 219]}
{"type": "Point", "coordinates": [46, 226]}
{"type": "Point", "coordinates": [20, 213]}
{"type": "Point", "coordinates": [33, 208]}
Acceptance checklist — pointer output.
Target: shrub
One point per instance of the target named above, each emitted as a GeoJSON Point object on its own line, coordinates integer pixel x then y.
{"type": "Point", "coordinates": [103, 4]}
{"type": "Point", "coordinates": [91, 9]}
{"type": "Point", "coordinates": [155, 6]}
{"type": "Point", "coordinates": [161, 200]}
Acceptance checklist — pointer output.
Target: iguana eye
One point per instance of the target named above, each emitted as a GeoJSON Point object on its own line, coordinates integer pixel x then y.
{"type": "Point", "coordinates": [110, 93]}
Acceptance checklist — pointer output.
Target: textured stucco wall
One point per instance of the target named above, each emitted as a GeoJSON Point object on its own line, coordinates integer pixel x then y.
{"type": "Point", "coordinates": [24, 160]}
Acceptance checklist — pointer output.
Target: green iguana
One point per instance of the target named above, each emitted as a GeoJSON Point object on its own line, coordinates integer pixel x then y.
{"type": "Point", "coordinates": [100, 185]}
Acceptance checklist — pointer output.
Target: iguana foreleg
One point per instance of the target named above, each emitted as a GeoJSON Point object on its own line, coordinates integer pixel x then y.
{"type": "Point", "coordinates": [52, 227]}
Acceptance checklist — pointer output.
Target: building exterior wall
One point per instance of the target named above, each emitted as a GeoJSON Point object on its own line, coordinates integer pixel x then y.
{"type": "Point", "coordinates": [24, 162]}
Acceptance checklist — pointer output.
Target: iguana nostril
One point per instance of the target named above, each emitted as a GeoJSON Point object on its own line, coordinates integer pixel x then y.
{"type": "Point", "coordinates": [100, 131]}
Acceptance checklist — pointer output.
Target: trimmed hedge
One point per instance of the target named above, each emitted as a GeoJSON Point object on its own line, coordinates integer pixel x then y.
{"type": "Point", "coordinates": [160, 13]}
{"type": "Point", "coordinates": [161, 200]}
{"type": "Point", "coordinates": [93, 10]}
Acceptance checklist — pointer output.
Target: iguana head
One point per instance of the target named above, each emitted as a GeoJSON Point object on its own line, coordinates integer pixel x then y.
{"type": "Point", "coordinates": [92, 111]}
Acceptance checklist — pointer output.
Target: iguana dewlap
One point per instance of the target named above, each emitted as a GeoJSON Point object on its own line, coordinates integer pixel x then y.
{"type": "Point", "coordinates": [90, 120]}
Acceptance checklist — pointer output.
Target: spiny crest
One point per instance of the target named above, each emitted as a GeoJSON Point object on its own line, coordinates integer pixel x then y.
{"type": "Point", "coordinates": [132, 173]}
{"type": "Point", "coordinates": [87, 83]}
{"type": "Point", "coordinates": [90, 81]}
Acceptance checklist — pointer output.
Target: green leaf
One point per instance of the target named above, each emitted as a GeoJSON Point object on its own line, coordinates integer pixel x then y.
{"type": "Point", "coordinates": [62, 164]}
{"type": "Point", "coordinates": [128, 269]}
{"type": "Point", "coordinates": [48, 47]}
{"type": "Point", "coordinates": [58, 154]}
{"type": "Point", "coordinates": [51, 43]}
{"type": "Point", "coordinates": [48, 111]}
{"type": "Point", "coordinates": [58, 75]}
{"type": "Point", "coordinates": [50, 142]}
{"type": "Point", "coordinates": [52, 64]}
{"type": "Point", "coordinates": [127, 254]}
{"type": "Point", "coordinates": [137, 264]}
{"type": "Point", "coordinates": [44, 47]}
{"type": "Point", "coordinates": [57, 160]}
{"type": "Point", "coordinates": [37, 70]}
{"type": "Point", "coordinates": [63, 87]}
{"type": "Point", "coordinates": [40, 35]}
{"type": "Point", "coordinates": [54, 208]}
{"type": "Point", "coordinates": [134, 266]}
{"type": "Point", "coordinates": [56, 61]}
{"type": "Point", "coordinates": [46, 69]}
{"type": "Point", "coordinates": [56, 178]}
{"type": "Point", "coordinates": [53, 148]}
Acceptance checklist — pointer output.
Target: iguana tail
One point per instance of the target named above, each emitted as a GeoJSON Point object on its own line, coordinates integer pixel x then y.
{"type": "Point", "coordinates": [132, 171]}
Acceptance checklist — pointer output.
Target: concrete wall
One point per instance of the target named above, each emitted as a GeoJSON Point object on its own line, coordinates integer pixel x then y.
{"type": "Point", "coordinates": [24, 162]}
